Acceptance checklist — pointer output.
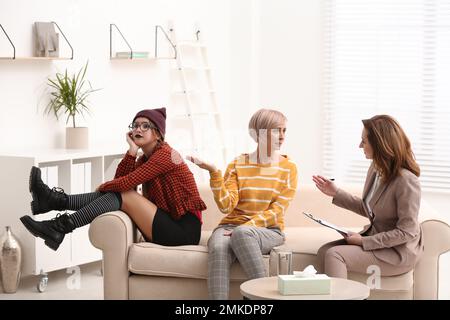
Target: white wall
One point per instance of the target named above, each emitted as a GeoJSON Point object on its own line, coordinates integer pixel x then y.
{"type": "Point", "coordinates": [244, 32]}
{"type": "Point", "coordinates": [289, 79]}
{"type": "Point", "coordinates": [264, 53]}
{"type": "Point", "coordinates": [126, 86]}
{"type": "Point", "coordinates": [289, 76]}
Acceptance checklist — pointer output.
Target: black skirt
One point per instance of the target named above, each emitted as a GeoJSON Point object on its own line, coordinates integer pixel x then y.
{"type": "Point", "coordinates": [167, 231]}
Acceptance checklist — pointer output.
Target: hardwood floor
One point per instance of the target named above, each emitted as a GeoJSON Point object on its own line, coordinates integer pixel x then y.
{"type": "Point", "coordinates": [85, 283]}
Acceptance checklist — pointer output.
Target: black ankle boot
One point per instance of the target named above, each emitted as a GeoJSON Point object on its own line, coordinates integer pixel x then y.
{"type": "Point", "coordinates": [52, 231]}
{"type": "Point", "coordinates": [44, 198]}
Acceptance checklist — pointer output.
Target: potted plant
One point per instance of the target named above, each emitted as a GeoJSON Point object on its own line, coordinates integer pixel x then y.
{"type": "Point", "coordinates": [69, 96]}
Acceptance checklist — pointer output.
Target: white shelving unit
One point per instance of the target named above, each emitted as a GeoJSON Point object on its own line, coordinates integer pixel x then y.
{"type": "Point", "coordinates": [75, 172]}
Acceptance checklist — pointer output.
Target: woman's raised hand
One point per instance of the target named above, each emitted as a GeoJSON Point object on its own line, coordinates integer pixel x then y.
{"type": "Point", "coordinates": [202, 164]}
{"type": "Point", "coordinates": [133, 147]}
{"type": "Point", "coordinates": [325, 185]}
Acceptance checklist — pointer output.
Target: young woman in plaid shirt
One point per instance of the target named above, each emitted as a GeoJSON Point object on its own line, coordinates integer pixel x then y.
{"type": "Point", "coordinates": [167, 213]}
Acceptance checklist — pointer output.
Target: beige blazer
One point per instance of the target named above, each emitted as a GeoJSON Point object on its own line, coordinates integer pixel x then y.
{"type": "Point", "coordinates": [394, 234]}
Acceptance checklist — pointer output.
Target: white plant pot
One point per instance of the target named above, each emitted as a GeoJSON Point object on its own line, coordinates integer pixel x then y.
{"type": "Point", "coordinates": [77, 138]}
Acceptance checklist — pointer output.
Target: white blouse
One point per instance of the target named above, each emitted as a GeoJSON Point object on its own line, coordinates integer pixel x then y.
{"type": "Point", "coordinates": [373, 188]}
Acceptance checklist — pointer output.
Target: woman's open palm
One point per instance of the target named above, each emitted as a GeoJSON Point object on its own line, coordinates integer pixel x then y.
{"type": "Point", "coordinates": [202, 164]}
{"type": "Point", "coordinates": [325, 185]}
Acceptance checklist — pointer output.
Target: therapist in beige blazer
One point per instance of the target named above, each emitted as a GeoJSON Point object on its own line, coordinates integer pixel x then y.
{"type": "Point", "coordinates": [391, 200]}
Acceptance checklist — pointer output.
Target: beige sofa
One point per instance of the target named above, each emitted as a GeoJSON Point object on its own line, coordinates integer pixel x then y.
{"type": "Point", "coordinates": [141, 270]}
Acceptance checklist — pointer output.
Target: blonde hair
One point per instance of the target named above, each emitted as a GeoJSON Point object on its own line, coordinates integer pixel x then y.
{"type": "Point", "coordinates": [391, 147]}
{"type": "Point", "coordinates": [265, 119]}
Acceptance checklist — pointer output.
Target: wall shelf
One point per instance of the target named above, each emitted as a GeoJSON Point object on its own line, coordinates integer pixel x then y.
{"type": "Point", "coordinates": [130, 55]}
{"type": "Point", "coordinates": [133, 58]}
{"type": "Point", "coordinates": [34, 58]}
{"type": "Point", "coordinates": [14, 57]}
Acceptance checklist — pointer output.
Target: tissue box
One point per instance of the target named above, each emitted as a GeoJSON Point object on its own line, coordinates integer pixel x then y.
{"type": "Point", "coordinates": [291, 284]}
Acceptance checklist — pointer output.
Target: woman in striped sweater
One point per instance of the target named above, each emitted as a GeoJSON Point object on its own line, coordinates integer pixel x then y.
{"type": "Point", "coordinates": [254, 194]}
{"type": "Point", "coordinates": [168, 212]}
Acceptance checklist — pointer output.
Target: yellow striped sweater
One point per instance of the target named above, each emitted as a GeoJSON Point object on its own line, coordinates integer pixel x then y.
{"type": "Point", "coordinates": [255, 194]}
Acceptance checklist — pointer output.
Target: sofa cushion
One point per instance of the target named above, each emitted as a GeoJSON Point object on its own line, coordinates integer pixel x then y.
{"type": "Point", "coordinates": [308, 240]}
{"type": "Point", "coordinates": [181, 261]}
{"type": "Point", "coordinates": [402, 282]}
{"type": "Point", "coordinates": [204, 237]}
{"type": "Point", "coordinates": [305, 242]}
{"type": "Point", "coordinates": [308, 198]}
{"type": "Point", "coordinates": [192, 261]}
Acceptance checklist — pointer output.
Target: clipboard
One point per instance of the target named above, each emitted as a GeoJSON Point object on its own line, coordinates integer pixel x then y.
{"type": "Point", "coordinates": [327, 224]}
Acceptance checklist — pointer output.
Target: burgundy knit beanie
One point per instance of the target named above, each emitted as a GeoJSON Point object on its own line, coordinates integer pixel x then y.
{"type": "Point", "coordinates": [157, 116]}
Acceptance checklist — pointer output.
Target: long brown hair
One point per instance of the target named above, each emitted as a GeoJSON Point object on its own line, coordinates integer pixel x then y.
{"type": "Point", "coordinates": [391, 147]}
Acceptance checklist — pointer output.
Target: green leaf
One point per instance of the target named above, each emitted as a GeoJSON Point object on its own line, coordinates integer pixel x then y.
{"type": "Point", "coordinates": [69, 94]}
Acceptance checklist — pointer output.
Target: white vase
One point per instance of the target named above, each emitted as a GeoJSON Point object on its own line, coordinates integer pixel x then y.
{"type": "Point", "coordinates": [10, 261]}
{"type": "Point", "coordinates": [77, 138]}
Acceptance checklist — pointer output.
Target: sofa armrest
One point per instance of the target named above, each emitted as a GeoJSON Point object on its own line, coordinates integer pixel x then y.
{"type": "Point", "coordinates": [436, 237]}
{"type": "Point", "coordinates": [113, 233]}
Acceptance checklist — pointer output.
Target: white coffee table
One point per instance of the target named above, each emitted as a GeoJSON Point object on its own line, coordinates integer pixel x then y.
{"type": "Point", "coordinates": [267, 289]}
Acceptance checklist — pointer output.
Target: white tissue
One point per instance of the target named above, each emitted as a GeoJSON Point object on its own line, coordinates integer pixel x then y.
{"type": "Point", "coordinates": [309, 271]}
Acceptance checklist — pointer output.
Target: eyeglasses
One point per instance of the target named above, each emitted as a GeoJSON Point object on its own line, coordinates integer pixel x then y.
{"type": "Point", "coordinates": [144, 126]}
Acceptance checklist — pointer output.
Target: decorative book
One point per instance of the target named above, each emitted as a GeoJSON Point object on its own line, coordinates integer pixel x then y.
{"type": "Point", "coordinates": [137, 54]}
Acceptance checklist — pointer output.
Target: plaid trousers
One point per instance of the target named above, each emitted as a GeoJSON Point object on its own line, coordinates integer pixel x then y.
{"type": "Point", "coordinates": [246, 244]}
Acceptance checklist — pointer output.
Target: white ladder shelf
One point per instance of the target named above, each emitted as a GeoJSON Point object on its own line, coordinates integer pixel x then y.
{"type": "Point", "coordinates": [199, 100]}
